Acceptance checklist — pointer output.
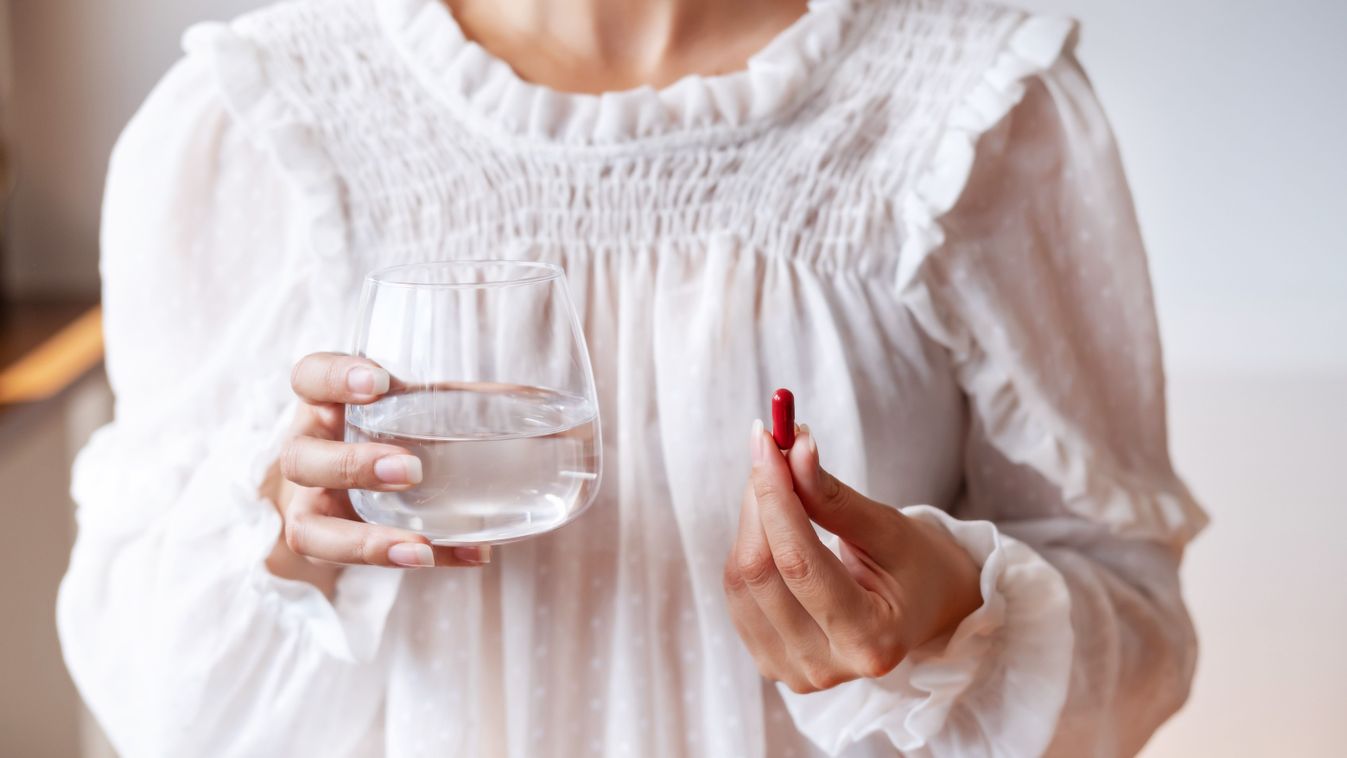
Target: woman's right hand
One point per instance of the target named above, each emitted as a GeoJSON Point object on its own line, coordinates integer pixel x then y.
{"type": "Point", "coordinates": [318, 468]}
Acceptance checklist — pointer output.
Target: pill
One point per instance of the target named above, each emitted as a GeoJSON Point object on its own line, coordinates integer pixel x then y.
{"type": "Point", "coordinates": [783, 418]}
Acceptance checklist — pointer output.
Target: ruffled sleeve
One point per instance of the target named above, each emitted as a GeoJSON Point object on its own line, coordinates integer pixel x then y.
{"type": "Point", "coordinates": [176, 634]}
{"type": "Point", "coordinates": [1024, 260]}
{"type": "Point", "coordinates": [1027, 263]}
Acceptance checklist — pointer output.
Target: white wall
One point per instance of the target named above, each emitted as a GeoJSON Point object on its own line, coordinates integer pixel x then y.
{"type": "Point", "coordinates": [1231, 118]}
{"type": "Point", "coordinates": [40, 712]}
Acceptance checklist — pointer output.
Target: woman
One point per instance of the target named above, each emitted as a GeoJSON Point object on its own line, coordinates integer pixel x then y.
{"type": "Point", "coordinates": [911, 213]}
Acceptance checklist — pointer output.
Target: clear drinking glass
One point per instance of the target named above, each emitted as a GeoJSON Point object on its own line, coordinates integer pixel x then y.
{"type": "Point", "coordinates": [492, 390]}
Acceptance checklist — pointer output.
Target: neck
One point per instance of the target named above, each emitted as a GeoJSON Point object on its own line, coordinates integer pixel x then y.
{"type": "Point", "coordinates": [637, 41]}
{"type": "Point", "coordinates": [616, 31]}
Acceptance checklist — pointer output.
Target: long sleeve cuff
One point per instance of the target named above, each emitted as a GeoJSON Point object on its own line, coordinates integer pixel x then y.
{"type": "Point", "coordinates": [350, 626]}
{"type": "Point", "coordinates": [995, 686]}
{"type": "Point", "coordinates": [218, 518]}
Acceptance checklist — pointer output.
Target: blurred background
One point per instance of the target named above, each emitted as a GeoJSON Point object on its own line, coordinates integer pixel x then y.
{"type": "Point", "coordinates": [1230, 115]}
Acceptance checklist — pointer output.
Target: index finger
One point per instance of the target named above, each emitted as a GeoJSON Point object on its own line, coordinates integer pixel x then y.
{"type": "Point", "coordinates": [816, 576]}
{"type": "Point", "coordinates": [338, 378]}
{"type": "Point", "coordinates": [312, 531]}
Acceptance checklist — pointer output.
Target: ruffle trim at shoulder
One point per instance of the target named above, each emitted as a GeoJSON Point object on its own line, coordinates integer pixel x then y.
{"type": "Point", "coordinates": [251, 82]}
{"type": "Point", "coordinates": [1020, 425]}
{"type": "Point", "coordinates": [1034, 45]}
{"type": "Point", "coordinates": [251, 95]}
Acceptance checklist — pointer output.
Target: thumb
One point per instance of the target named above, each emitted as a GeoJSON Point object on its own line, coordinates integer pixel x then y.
{"type": "Point", "coordinates": [866, 524]}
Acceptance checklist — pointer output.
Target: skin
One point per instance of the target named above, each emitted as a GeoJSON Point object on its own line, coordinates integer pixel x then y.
{"type": "Point", "coordinates": [309, 482]}
{"type": "Point", "coordinates": [605, 45]}
{"type": "Point", "coordinates": [814, 619]}
{"type": "Point", "coordinates": [810, 619]}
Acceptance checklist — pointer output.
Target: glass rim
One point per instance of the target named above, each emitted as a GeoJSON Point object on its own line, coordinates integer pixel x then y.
{"type": "Point", "coordinates": [540, 272]}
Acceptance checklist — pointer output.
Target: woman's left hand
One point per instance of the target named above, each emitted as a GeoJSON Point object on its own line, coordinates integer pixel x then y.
{"type": "Point", "coordinates": [812, 620]}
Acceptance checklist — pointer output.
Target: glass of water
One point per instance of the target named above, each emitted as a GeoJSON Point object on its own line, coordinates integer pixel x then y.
{"type": "Point", "coordinates": [492, 389]}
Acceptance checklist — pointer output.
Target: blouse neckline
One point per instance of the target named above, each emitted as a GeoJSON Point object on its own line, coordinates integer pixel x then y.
{"type": "Point", "coordinates": [486, 88]}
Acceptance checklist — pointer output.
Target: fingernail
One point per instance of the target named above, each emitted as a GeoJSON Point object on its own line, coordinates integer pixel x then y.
{"type": "Point", "coordinates": [475, 555]}
{"type": "Point", "coordinates": [367, 381]}
{"type": "Point", "coordinates": [755, 440]}
{"type": "Point", "coordinates": [812, 447]}
{"type": "Point", "coordinates": [398, 469]}
{"type": "Point", "coordinates": [412, 555]}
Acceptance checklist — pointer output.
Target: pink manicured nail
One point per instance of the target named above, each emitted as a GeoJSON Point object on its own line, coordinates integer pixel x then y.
{"type": "Point", "coordinates": [476, 555]}
{"type": "Point", "coordinates": [364, 380]}
{"type": "Point", "coordinates": [412, 555]}
{"type": "Point", "coordinates": [759, 450]}
{"type": "Point", "coordinates": [398, 469]}
{"type": "Point", "coordinates": [813, 446]}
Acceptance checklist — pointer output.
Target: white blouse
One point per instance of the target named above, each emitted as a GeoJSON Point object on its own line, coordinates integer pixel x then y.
{"type": "Point", "coordinates": [911, 213]}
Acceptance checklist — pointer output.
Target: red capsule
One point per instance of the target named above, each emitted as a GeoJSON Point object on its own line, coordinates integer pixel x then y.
{"type": "Point", "coordinates": [783, 418]}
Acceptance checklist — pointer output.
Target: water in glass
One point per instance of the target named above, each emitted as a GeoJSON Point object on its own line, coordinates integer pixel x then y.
{"type": "Point", "coordinates": [499, 462]}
